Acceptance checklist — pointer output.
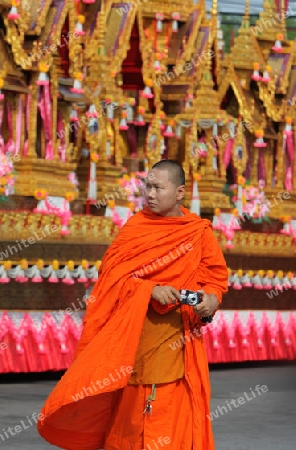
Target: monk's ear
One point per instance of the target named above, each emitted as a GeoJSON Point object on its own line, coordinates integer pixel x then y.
{"type": "Point", "coordinates": [181, 191]}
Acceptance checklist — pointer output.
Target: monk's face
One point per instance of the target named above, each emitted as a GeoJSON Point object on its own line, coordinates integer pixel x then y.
{"type": "Point", "coordinates": [162, 195]}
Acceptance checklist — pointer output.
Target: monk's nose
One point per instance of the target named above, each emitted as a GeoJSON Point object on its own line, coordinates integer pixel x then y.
{"type": "Point", "coordinates": [151, 194]}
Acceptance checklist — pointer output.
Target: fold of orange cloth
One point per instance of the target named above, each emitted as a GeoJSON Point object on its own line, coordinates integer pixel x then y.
{"type": "Point", "coordinates": [149, 250]}
{"type": "Point", "coordinates": [155, 361]}
{"type": "Point", "coordinates": [169, 427]}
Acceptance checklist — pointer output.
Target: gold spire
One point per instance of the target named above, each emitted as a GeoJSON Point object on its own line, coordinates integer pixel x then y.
{"type": "Point", "coordinates": [214, 9]}
{"type": "Point", "coordinates": [283, 20]}
{"type": "Point", "coordinates": [206, 98]}
{"type": "Point", "coordinates": [268, 25]}
{"type": "Point", "coordinates": [102, 30]}
{"type": "Point", "coordinates": [246, 20]}
{"type": "Point", "coordinates": [243, 50]}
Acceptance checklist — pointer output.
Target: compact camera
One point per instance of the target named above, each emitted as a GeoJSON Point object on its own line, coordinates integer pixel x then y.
{"type": "Point", "coordinates": [193, 298]}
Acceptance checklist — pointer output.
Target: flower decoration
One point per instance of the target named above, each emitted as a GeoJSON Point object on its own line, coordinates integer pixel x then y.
{"type": "Point", "coordinates": [175, 16]}
{"type": "Point", "coordinates": [158, 58]}
{"type": "Point", "coordinates": [259, 139]}
{"type": "Point", "coordinates": [188, 100]}
{"type": "Point", "coordinates": [159, 19]}
{"type": "Point", "coordinates": [111, 204]}
{"type": "Point", "coordinates": [79, 26]}
{"type": "Point", "coordinates": [252, 201]}
{"type": "Point", "coordinates": [43, 79]}
{"type": "Point", "coordinates": [94, 157]}
{"type": "Point", "coordinates": [197, 176]}
{"type": "Point", "coordinates": [266, 74]}
{"type": "Point", "coordinates": [147, 93]}
{"type": "Point", "coordinates": [288, 127]}
{"type": "Point", "coordinates": [7, 175]}
{"type": "Point", "coordinates": [169, 130]}
{"type": "Point", "coordinates": [72, 177]}
{"type": "Point", "coordinates": [159, 16]}
{"type": "Point", "coordinates": [55, 264]}
{"type": "Point", "coordinates": [40, 264]}
{"type": "Point", "coordinates": [256, 75]}
{"type": "Point", "coordinates": [278, 43]}
{"type": "Point", "coordinates": [140, 120]}
{"type": "Point", "coordinates": [285, 219]}
{"type": "Point", "coordinates": [134, 186]}
{"type": "Point", "coordinates": [13, 13]}
{"type": "Point", "coordinates": [123, 122]}
{"type": "Point", "coordinates": [40, 194]}
{"type": "Point", "coordinates": [77, 86]}
{"type": "Point", "coordinates": [70, 196]}
{"type": "Point", "coordinates": [71, 265]}
{"type": "Point", "coordinates": [7, 265]}
{"type": "Point", "coordinates": [241, 180]}
{"type": "Point", "coordinates": [23, 264]}
{"type": "Point", "coordinates": [84, 264]}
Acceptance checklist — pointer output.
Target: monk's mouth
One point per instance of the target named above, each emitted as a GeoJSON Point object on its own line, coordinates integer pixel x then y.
{"type": "Point", "coordinates": [151, 204]}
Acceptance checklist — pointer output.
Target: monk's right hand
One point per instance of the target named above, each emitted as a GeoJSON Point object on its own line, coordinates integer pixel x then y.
{"type": "Point", "coordinates": [165, 295]}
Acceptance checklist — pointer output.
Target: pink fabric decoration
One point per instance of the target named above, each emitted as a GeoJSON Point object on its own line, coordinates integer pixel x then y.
{"type": "Point", "coordinates": [60, 130]}
{"type": "Point", "coordinates": [28, 107]}
{"type": "Point", "coordinates": [10, 145]}
{"type": "Point", "coordinates": [228, 152]}
{"type": "Point", "coordinates": [290, 160]}
{"type": "Point", "coordinates": [19, 126]}
{"type": "Point", "coordinates": [44, 105]}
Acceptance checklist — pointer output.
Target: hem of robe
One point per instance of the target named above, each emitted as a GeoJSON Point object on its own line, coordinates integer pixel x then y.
{"type": "Point", "coordinates": [170, 426]}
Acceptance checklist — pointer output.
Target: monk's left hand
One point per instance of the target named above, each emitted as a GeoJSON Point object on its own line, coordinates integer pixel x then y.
{"type": "Point", "coordinates": [208, 305]}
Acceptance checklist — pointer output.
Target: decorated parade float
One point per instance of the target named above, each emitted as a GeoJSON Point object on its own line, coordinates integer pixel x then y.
{"type": "Point", "coordinates": [92, 94]}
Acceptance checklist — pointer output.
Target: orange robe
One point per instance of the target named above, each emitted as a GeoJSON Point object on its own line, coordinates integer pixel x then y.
{"type": "Point", "coordinates": [80, 413]}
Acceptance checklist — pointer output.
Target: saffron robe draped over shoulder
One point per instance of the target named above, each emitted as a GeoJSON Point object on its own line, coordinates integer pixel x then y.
{"type": "Point", "coordinates": [149, 250]}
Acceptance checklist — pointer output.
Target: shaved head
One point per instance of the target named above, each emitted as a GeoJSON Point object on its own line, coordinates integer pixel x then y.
{"type": "Point", "coordinates": [174, 169]}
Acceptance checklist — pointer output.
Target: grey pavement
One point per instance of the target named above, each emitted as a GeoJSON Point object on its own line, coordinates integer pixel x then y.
{"type": "Point", "coordinates": [243, 418]}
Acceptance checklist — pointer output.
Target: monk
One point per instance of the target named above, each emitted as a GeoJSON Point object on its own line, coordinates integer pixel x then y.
{"type": "Point", "coordinates": [133, 384]}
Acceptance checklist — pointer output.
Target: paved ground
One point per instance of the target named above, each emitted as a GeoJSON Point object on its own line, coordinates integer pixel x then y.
{"type": "Point", "coordinates": [242, 419]}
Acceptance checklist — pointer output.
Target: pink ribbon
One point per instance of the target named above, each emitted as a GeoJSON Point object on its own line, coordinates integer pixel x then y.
{"type": "Point", "coordinates": [44, 105]}
{"type": "Point", "coordinates": [10, 145]}
{"type": "Point", "coordinates": [1, 120]}
{"type": "Point", "coordinates": [261, 167]}
{"type": "Point", "coordinates": [228, 152]}
{"type": "Point", "coordinates": [61, 133]}
{"type": "Point", "coordinates": [48, 122]}
{"type": "Point", "coordinates": [288, 179]}
{"type": "Point", "coordinates": [290, 147]}
{"type": "Point", "coordinates": [28, 106]}
{"type": "Point", "coordinates": [19, 126]}
{"type": "Point", "coordinates": [289, 162]}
